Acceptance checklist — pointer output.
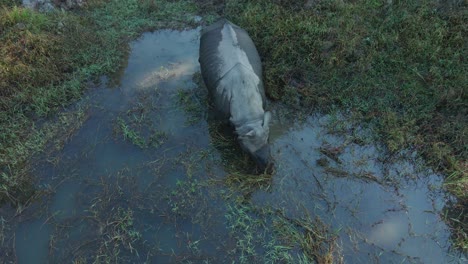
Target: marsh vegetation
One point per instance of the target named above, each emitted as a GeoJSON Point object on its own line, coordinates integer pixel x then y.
{"type": "Point", "coordinates": [96, 159]}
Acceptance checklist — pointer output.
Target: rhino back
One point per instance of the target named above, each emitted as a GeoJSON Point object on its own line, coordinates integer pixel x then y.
{"type": "Point", "coordinates": [223, 45]}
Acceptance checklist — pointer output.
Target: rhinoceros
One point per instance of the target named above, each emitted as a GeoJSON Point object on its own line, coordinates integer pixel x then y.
{"type": "Point", "coordinates": [232, 72]}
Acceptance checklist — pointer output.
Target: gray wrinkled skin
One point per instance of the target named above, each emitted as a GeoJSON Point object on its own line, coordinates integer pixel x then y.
{"type": "Point", "coordinates": [232, 71]}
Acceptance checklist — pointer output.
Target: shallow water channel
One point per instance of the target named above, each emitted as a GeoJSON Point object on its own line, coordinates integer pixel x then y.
{"type": "Point", "coordinates": [149, 177]}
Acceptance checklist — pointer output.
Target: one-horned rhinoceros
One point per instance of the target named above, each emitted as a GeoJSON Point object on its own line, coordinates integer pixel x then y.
{"type": "Point", "coordinates": [232, 72]}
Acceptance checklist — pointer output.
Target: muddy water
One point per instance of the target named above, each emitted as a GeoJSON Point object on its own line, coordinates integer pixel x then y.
{"type": "Point", "coordinates": [145, 180]}
{"type": "Point", "coordinates": [383, 208]}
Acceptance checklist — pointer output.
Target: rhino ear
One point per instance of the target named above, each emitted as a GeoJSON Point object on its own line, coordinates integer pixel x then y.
{"type": "Point", "coordinates": [266, 119]}
{"type": "Point", "coordinates": [245, 131]}
{"type": "Point", "coordinates": [251, 133]}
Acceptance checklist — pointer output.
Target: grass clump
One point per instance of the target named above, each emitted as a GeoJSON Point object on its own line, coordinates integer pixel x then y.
{"type": "Point", "coordinates": [113, 231]}
{"type": "Point", "coordinates": [9, 3]}
{"type": "Point", "coordinates": [283, 239]}
{"type": "Point", "coordinates": [136, 124]}
{"type": "Point", "coordinates": [396, 64]}
{"type": "Point", "coordinates": [140, 135]}
{"type": "Point", "coordinates": [193, 102]}
{"type": "Point", "coordinates": [185, 199]}
{"type": "Point", "coordinates": [311, 236]}
{"type": "Point", "coordinates": [130, 134]}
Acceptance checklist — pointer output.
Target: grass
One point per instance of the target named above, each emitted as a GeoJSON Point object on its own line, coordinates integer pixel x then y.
{"type": "Point", "coordinates": [284, 240]}
{"type": "Point", "coordinates": [398, 65]}
{"type": "Point", "coordinates": [374, 59]}
{"type": "Point", "coordinates": [193, 102]}
{"type": "Point", "coordinates": [113, 231]}
{"type": "Point", "coordinates": [311, 235]}
{"type": "Point", "coordinates": [137, 126]}
{"type": "Point", "coordinates": [184, 200]}
{"type": "Point", "coordinates": [47, 60]}
{"type": "Point", "coordinates": [129, 134]}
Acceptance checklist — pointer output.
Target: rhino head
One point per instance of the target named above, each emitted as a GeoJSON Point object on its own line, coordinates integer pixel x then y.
{"type": "Point", "coordinates": [253, 138]}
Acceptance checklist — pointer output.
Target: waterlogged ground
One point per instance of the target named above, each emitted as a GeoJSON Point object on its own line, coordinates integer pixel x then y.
{"type": "Point", "coordinates": [148, 176]}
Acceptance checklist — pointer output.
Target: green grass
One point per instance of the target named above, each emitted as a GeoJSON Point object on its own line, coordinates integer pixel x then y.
{"type": "Point", "coordinates": [400, 66]}
{"type": "Point", "coordinates": [397, 65]}
{"type": "Point", "coordinates": [47, 60]}
{"type": "Point", "coordinates": [284, 240]}
{"type": "Point", "coordinates": [113, 231]}
{"type": "Point", "coordinates": [193, 102]}
{"type": "Point", "coordinates": [136, 124]}
{"type": "Point", "coordinates": [130, 134]}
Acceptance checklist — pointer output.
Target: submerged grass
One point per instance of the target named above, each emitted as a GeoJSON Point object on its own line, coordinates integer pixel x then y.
{"type": "Point", "coordinates": [113, 234]}
{"type": "Point", "coordinates": [47, 59]}
{"type": "Point", "coordinates": [284, 240]}
{"type": "Point", "coordinates": [399, 65]}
